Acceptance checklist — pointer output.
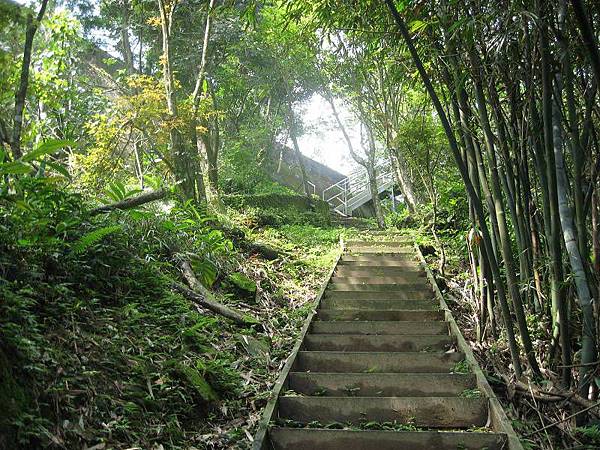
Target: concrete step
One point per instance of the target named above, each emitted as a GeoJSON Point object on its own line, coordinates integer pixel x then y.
{"type": "Point", "coordinates": [382, 295]}
{"type": "Point", "coordinates": [322, 439]}
{"type": "Point", "coordinates": [367, 343]}
{"type": "Point", "coordinates": [379, 327]}
{"type": "Point", "coordinates": [381, 384]}
{"type": "Point", "coordinates": [377, 250]}
{"type": "Point", "coordinates": [434, 412]}
{"type": "Point", "coordinates": [399, 256]}
{"type": "Point", "coordinates": [410, 281]}
{"type": "Point", "coordinates": [400, 314]}
{"type": "Point", "coordinates": [374, 287]}
{"type": "Point", "coordinates": [371, 270]}
{"type": "Point", "coordinates": [406, 243]}
{"type": "Point", "coordinates": [379, 262]}
{"type": "Point", "coordinates": [378, 305]}
{"type": "Point", "coordinates": [376, 362]}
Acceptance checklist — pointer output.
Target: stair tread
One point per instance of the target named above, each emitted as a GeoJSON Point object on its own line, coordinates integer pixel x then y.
{"type": "Point", "coordinates": [444, 412]}
{"type": "Point", "coordinates": [381, 342]}
{"type": "Point", "coordinates": [376, 295]}
{"type": "Point", "coordinates": [379, 350]}
{"type": "Point", "coordinates": [416, 315]}
{"type": "Point", "coordinates": [376, 362]}
{"type": "Point", "coordinates": [319, 438]}
{"type": "Point", "coordinates": [367, 287]}
{"type": "Point", "coordinates": [345, 304]}
{"type": "Point", "coordinates": [379, 327]}
{"type": "Point", "coordinates": [380, 384]}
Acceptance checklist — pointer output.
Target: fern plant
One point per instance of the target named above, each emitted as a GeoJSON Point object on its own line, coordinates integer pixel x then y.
{"type": "Point", "coordinates": [93, 237]}
{"type": "Point", "coordinates": [590, 433]}
{"type": "Point", "coordinates": [117, 192]}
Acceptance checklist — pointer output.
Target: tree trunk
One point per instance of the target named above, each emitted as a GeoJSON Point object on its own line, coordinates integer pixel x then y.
{"type": "Point", "coordinates": [21, 94]}
{"type": "Point", "coordinates": [588, 337]}
{"type": "Point", "coordinates": [131, 202]}
{"type": "Point", "coordinates": [558, 294]}
{"type": "Point", "coordinates": [298, 154]}
{"type": "Point", "coordinates": [125, 42]}
{"type": "Point", "coordinates": [207, 153]}
{"type": "Point", "coordinates": [505, 243]}
{"type": "Point", "coordinates": [402, 178]}
{"type": "Point", "coordinates": [372, 174]}
{"type": "Point", "coordinates": [184, 167]}
{"type": "Point", "coordinates": [588, 36]}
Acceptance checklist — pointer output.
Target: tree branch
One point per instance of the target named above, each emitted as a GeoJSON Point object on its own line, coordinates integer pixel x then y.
{"type": "Point", "coordinates": [203, 297]}
{"type": "Point", "coordinates": [132, 202]}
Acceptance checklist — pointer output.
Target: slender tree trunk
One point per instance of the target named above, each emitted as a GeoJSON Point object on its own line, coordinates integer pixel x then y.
{"type": "Point", "coordinates": [298, 154]}
{"type": "Point", "coordinates": [183, 166]}
{"type": "Point", "coordinates": [402, 178]}
{"type": "Point", "coordinates": [21, 94]}
{"type": "Point", "coordinates": [372, 174]}
{"type": "Point", "coordinates": [125, 42]}
{"type": "Point", "coordinates": [509, 183]}
{"type": "Point", "coordinates": [468, 185]}
{"type": "Point", "coordinates": [596, 247]}
{"type": "Point", "coordinates": [505, 244]}
{"type": "Point", "coordinates": [559, 306]}
{"type": "Point", "coordinates": [573, 131]}
{"type": "Point", "coordinates": [588, 338]}
{"type": "Point", "coordinates": [588, 36]}
{"type": "Point", "coordinates": [206, 150]}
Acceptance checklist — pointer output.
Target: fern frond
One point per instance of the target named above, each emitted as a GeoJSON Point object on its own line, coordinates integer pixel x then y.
{"type": "Point", "coordinates": [89, 239]}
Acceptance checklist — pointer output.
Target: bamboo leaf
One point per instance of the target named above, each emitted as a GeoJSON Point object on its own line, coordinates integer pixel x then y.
{"type": "Point", "coordinates": [15, 168]}
{"type": "Point", "coordinates": [46, 148]}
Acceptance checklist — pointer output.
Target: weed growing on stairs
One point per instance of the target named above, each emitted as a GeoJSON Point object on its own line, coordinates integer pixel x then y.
{"type": "Point", "coordinates": [462, 367]}
{"type": "Point", "coordinates": [471, 393]}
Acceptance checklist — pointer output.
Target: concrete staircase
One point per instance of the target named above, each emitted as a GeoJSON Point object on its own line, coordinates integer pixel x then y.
{"type": "Point", "coordinates": [381, 365]}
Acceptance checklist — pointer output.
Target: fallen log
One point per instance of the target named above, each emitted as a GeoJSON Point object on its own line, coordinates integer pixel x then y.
{"type": "Point", "coordinates": [203, 297]}
{"type": "Point", "coordinates": [131, 202]}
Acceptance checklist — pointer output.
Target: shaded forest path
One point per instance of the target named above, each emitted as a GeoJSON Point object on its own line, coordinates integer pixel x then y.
{"type": "Point", "coordinates": [381, 364]}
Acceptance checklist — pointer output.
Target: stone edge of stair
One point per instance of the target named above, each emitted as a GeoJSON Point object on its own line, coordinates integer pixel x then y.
{"type": "Point", "coordinates": [498, 418]}
{"type": "Point", "coordinates": [261, 436]}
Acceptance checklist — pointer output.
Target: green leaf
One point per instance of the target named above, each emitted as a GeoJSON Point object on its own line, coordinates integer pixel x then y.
{"type": "Point", "coordinates": [416, 25]}
{"type": "Point", "coordinates": [59, 168]}
{"type": "Point", "coordinates": [47, 147]}
{"type": "Point", "coordinates": [243, 282]}
{"type": "Point", "coordinates": [89, 239]}
{"type": "Point", "coordinates": [15, 168]}
{"type": "Point", "coordinates": [206, 270]}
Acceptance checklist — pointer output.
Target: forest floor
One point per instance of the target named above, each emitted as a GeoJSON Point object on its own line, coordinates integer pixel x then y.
{"type": "Point", "coordinates": [97, 350]}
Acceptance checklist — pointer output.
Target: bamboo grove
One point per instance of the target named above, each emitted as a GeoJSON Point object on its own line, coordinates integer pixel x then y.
{"type": "Point", "coordinates": [514, 85]}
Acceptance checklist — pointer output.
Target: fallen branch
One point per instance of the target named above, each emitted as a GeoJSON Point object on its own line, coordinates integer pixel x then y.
{"type": "Point", "coordinates": [216, 307]}
{"type": "Point", "coordinates": [549, 396]}
{"type": "Point", "coordinates": [203, 297]}
{"type": "Point", "coordinates": [564, 419]}
{"type": "Point", "coordinates": [131, 202]}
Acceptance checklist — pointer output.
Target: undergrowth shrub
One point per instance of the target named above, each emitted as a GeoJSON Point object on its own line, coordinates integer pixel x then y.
{"type": "Point", "coordinates": [93, 343]}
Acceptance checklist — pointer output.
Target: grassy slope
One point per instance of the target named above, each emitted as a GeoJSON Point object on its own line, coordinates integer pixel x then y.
{"type": "Point", "coordinates": [95, 349]}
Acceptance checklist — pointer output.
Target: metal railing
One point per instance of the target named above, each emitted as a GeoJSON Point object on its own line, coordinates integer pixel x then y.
{"type": "Point", "coordinates": [353, 191]}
